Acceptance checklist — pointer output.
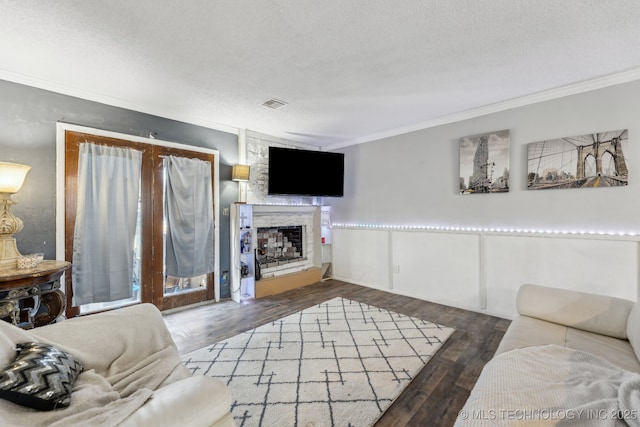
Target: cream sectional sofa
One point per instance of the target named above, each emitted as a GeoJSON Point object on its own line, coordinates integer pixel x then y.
{"type": "Point", "coordinates": [132, 375]}
{"type": "Point", "coordinates": [568, 358]}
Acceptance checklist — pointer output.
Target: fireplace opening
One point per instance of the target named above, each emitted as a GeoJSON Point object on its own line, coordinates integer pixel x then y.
{"type": "Point", "coordinates": [279, 245]}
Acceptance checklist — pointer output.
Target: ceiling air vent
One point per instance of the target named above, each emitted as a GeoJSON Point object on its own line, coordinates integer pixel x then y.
{"type": "Point", "coordinates": [274, 103]}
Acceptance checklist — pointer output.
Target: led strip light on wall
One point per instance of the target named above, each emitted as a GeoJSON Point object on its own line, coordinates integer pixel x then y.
{"type": "Point", "coordinates": [523, 231]}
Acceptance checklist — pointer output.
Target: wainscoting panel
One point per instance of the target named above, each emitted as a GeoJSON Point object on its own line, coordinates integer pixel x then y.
{"type": "Point", "coordinates": [598, 266]}
{"type": "Point", "coordinates": [362, 257]}
{"type": "Point", "coordinates": [482, 270]}
{"type": "Point", "coordinates": [437, 267]}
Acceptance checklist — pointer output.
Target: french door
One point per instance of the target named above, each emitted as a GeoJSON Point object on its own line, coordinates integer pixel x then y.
{"type": "Point", "coordinates": [149, 282]}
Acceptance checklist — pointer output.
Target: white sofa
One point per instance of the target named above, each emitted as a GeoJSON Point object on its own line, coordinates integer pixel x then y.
{"type": "Point", "coordinates": [568, 358]}
{"type": "Point", "coordinates": [132, 376]}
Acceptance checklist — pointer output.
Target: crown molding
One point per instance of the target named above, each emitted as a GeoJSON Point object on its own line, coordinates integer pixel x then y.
{"type": "Point", "coordinates": [547, 95]}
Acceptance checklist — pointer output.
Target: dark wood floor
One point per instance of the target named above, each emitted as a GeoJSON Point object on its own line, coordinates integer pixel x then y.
{"type": "Point", "coordinates": [433, 398]}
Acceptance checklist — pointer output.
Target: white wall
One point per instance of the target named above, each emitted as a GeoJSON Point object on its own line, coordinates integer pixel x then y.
{"type": "Point", "coordinates": [412, 179]}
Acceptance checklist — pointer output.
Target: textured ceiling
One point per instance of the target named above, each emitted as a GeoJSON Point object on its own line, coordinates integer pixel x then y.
{"type": "Point", "coordinates": [349, 70]}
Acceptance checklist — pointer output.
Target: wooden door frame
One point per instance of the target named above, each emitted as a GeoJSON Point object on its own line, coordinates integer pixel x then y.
{"type": "Point", "coordinates": [62, 128]}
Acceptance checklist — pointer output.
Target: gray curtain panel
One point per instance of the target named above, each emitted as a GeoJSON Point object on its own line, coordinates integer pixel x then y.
{"type": "Point", "coordinates": [189, 249]}
{"type": "Point", "coordinates": [106, 217]}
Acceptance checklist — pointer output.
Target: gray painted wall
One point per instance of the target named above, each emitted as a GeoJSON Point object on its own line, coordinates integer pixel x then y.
{"type": "Point", "coordinates": [28, 118]}
{"type": "Point", "coordinates": [413, 179]}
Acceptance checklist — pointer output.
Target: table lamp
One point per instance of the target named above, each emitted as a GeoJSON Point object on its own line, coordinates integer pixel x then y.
{"type": "Point", "coordinates": [12, 177]}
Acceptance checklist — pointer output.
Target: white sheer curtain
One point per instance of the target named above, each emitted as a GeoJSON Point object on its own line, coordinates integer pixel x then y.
{"type": "Point", "coordinates": [105, 229]}
{"type": "Point", "coordinates": [189, 248]}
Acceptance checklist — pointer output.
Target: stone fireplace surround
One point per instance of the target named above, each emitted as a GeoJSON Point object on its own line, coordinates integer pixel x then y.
{"type": "Point", "coordinates": [279, 245]}
{"type": "Point", "coordinates": [274, 216]}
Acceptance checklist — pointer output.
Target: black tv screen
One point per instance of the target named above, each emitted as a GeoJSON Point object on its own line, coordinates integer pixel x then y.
{"type": "Point", "coordinates": [305, 173]}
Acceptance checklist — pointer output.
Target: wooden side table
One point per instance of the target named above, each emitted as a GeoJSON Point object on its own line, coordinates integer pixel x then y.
{"type": "Point", "coordinates": [32, 297]}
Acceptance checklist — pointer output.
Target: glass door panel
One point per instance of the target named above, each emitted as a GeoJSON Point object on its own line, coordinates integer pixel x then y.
{"type": "Point", "coordinates": [177, 291]}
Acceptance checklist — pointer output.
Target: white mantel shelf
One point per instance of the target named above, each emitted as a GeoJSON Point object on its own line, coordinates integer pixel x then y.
{"type": "Point", "coordinates": [269, 209]}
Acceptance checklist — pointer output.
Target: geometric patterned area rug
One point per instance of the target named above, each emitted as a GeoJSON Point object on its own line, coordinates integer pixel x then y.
{"type": "Point", "coordinates": [339, 363]}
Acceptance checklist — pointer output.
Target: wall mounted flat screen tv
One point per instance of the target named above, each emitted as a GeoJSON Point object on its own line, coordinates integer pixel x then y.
{"type": "Point", "coordinates": [295, 172]}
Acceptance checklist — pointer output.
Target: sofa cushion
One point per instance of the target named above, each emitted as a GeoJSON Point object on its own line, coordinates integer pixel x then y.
{"type": "Point", "coordinates": [590, 312]}
{"type": "Point", "coordinates": [41, 377]}
{"type": "Point", "coordinates": [551, 386]}
{"type": "Point", "coordinates": [526, 331]}
{"type": "Point", "coordinates": [614, 350]}
{"type": "Point", "coordinates": [633, 328]}
{"type": "Point", "coordinates": [10, 337]}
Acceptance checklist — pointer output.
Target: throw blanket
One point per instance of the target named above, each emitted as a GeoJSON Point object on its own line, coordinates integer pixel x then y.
{"type": "Point", "coordinates": [552, 386]}
{"type": "Point", "coordinates": [126, 358]}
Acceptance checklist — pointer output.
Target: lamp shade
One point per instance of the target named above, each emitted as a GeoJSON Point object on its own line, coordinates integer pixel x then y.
{"type": "Point", "coordinates": [240, 173]}
{"type": "Point", "coordinates": [12, 176]}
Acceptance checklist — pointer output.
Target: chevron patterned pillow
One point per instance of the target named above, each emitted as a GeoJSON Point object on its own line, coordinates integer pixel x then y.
{"type": "Point", "coordinates": [41, 377]}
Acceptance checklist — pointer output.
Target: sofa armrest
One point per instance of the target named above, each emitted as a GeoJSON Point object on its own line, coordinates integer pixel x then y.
{"type": "Point", "coordinates": [589, 312]}
{"type": "Point", "coordinates": [197, 401]}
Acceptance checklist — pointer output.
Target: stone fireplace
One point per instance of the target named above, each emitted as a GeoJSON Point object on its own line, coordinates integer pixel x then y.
{"type": "Point", "coordinates": [279, 246]}
{"type": "Point", "coordinates": [286, 238]}
{"type": "Point", "coordinates": [285, 249]}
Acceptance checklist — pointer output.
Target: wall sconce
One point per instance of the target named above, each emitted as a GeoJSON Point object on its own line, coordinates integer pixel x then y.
{"type": "Point", "coordinates": [240, 173]}
{"type": "Point", "coordinates": [12, 177]}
